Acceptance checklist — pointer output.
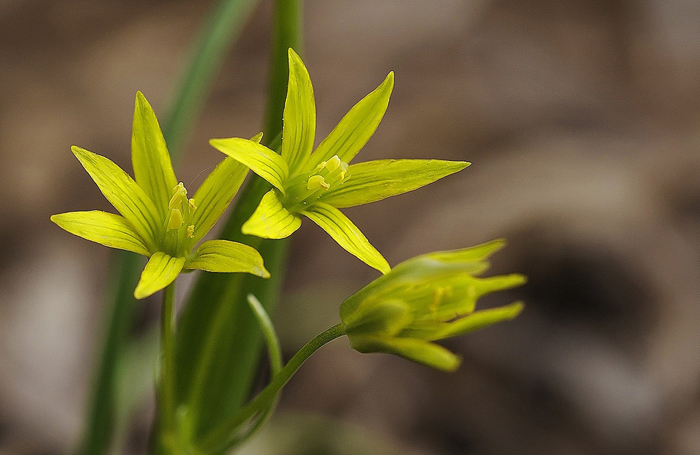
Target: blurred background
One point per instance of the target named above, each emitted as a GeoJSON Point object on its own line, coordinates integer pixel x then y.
{"type": "Point", "coordinates": [582, 121]}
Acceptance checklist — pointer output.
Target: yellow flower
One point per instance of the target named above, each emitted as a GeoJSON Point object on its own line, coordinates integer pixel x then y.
{"type": "Point", "coordinates": [158, 220]}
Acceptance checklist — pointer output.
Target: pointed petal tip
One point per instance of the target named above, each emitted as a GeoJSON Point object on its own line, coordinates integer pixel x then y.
{"type": "Point", "coordinates": [515, 309]}
{"type": "Point", "coordinates": [292, 54]}
{"type": "Point", "coordinates": [261, 272]}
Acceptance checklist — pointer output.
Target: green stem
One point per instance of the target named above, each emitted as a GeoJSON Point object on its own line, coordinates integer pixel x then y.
{"type": "Point", "coordinates": [166, 390]}
{"type": "Point", "coordinates": [221, 434]}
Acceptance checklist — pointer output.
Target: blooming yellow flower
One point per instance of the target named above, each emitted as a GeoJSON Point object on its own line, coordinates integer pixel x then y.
{"type": "Point", "coordinates": [158, 219]}
{"type": "Point", "coordinates": [317, 184]}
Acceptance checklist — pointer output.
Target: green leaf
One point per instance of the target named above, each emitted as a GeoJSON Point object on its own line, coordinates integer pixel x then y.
{"type": "Point", "coordinates": [260, 159]}
{"type": "Point", "coordinates": [215, 194]}
{"type": "Point", "coordinates": [123, 193]}
{"type": "Point", "coordinates": [299, 115]}
{"type": "Point", "coordinates": [420, 351]}
{"type": "Point", "coordinates": [228, 257]}
{"type": "Point", "coordinates": [149, 156]}
{"type": "Point", "coordinates": [271, 220]}
{"type": "Point", "coordinates": [104, 228]}
{"type": "Point", "coordinates": [375, 180]}
{"type": "Point", "coordinates": [358, 125]}
{"type": "Point", "coordinates": [346, 234]}
{"type": "Point", "coordinates": [160, 271]}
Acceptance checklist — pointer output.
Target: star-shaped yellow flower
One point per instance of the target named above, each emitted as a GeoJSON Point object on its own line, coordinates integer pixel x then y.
{"type": "Point", "coordinates": [317, 184]}
{"type": "Point", "coordinates": [158, 220]}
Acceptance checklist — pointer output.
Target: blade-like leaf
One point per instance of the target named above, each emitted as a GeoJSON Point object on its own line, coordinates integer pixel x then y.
{"type": "Point", "coordinates": [228, 257]}
{"type": "Point", "coordinates": [358, 125]}
{"type": "Point", "coordinates": [274, 351]}
{"type": "Point", "coordinates": [160, 271]}
{"type": "Point", "coordinates": [346, 234]}
{"type": "Point", "coordinates": [420, 351]}
{"type": "Point", "coordinates": [123, 193]}
{"type": "Point", "coordinates": [149, 156]}
{"type": "Point", "coordinates": [260, 159]}
{"type": "Point", "coordinates": [299, 115]}
{"type": "Point", "coordinates": [271, 220]}
{"type": "Point", "coordinates": [104, 228]}
{"type": "Point", "coordinates": [215, 194]}
{"type": "Point", "coordinates": [375, 180]}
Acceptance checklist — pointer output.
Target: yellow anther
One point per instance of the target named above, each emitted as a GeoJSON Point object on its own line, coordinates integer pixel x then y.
{"type": "Point", "coordinates": [438, 294]}
{"type": "Point", "coordinates": [320, 166]}
{"type": "Point", "coordinates": [179, 192]}
{"type": "Point", "coordinates": [333, 163]}
{"type": "Point", "coordinates": [191, 204]}
{"type": "Point", "coordinates": [190, 230]}
{"type": "Point", "coordinates": [175, 220]}
{"type": "Point", "coordinates": [317, 181]}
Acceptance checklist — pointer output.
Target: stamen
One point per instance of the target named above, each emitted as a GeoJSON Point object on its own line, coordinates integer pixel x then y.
{"type": "Point", "coordinates": [190, 231]}
{"type": "Point", "coordinates": [175, 220]}
{"type": "Point", "coordinates": [333, 163]}
{"type": "Point", "coordinates": [317, 181]}
{"type": "Point", "coordinates": [320, 166]}
{"type": "Point", "coordinates": [193, 207]}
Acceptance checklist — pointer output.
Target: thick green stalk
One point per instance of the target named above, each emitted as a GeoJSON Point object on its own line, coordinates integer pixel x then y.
{"type": "Point", "coordinates": [221, 434]}
{"type": "Point", "coordinates": [219, 340]}
{"type": "Point", "coordinates": [217, 37]}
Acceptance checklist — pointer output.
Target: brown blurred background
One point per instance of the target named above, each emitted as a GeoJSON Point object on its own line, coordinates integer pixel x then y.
{"type": "Point", "coordinates": [582, 120]}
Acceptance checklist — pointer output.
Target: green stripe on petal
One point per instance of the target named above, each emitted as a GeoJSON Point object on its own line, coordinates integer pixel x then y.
{"type": "Point", "coordinates": [420, 351]}
{"type": "Point", "coordinates": [271, 220]}
{"type": "Point", "coordinates": [123, 193]}
{"type": "Point", "coordinates": [346, 234]}
{"type": "Point", "coordinates": [299, 127]}
{"type": "Point", "coordinates": [375, 180]}
{"type": "Point", "coordinates": [228, 257]}
{"type": "Point", "coordinates": [358, 125]}
{"type": "Point", "coordinates": [153, 169]}
{"type": "Point", "coordinates": [104, 228]}
{"type": "Point", "coordinates": [160, 271]}
{"type": "Point", "coordinates": [260, 159]}
{"type": "Point", "coordinates": [215, 194]}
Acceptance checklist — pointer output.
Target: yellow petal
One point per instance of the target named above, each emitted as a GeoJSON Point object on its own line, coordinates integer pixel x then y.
{"type": "Point", "coordinates": [299, 127]}
{"type": "Point", "coordinates": [228, 257]}
{"type": "Point", "coordinates": [160, 271]}
{"type": "Point", "coordinates": [104, 228]}
{"type": "Point", "coordinates": [271, 220]}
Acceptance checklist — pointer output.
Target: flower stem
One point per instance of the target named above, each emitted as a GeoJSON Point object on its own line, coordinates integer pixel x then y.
{"type": "Point", "coordinates": [224, 432]}
{"type": "Point", "coordinates": [166, 399]}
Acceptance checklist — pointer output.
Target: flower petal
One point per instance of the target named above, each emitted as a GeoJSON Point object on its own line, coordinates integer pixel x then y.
{"type": "Point", "coordinates": [228, 257]}
{"type": "Point", "coordinates": [479, 320]}
{"type": "Point", "coordinates": [346, 234]}
{"type": "Point", "coordinates": [271, 220]}
{"type": "Point", "coordinates": [153, 169]}
{"type": "Point", "coordinates": [420, 351]}
{"type": "Point", "coordinates": [384, 318]}
{"type": "Point", "coordinates": [123, 193]}
{"type": "Point", "coordinates": [215, 194]}
{"type": "Point", "coordinates": [160, 271]}
{"type": "Point", "coordinates": [260, 159]}
{"type": "Point", "coordinates": [375, 180]}
{"type": "Point", "coordinates": [299, 127]}
{"type": "Point", "coordinates": [358, 125]}
{"type": "Point", "coordinates": [104, 228]}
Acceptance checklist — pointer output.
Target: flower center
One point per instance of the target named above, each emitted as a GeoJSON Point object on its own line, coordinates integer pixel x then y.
{"type": "Point", "coordinates": [311, 186]}
{"type": "Point", "coordinates": [179, 230]}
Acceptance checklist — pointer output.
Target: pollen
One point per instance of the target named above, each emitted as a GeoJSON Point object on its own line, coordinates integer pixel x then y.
{"type": "Point", "coordinates": [175, 220]}
{"type": "Point", "coordinates": [190, 231]}
{"type": "Point", "coordinates": [317, 181]}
